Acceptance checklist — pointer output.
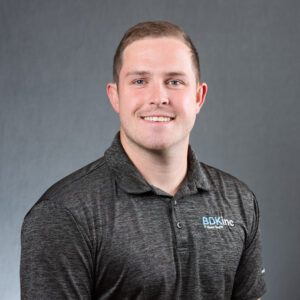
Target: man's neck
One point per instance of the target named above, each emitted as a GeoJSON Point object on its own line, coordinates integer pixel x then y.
{"type": "Point", "coordinates": [164, 169]}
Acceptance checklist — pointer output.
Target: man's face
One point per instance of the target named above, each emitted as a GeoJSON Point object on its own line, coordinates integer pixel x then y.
{"type": "Point", "coordinates": [157, 97]}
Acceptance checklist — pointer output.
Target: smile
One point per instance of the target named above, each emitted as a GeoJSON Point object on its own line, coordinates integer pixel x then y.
{"type": "Point", "coordinates": [157, 119]}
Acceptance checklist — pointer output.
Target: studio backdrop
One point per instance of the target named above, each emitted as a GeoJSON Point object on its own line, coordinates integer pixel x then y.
{"type": "Point", "coordinates": [56, 58]}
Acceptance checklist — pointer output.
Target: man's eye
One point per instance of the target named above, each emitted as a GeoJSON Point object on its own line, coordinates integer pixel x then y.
{"type": "Point", "coordinates": [139, 81]}
{"type": "Point", "coordinates": [175, 82]}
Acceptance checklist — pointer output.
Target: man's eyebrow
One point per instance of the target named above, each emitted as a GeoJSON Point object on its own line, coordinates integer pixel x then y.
{"type": "Point", "coordinates": [139, 73]}
{"type": "Point", "coordinates": [174, 74]}
{"type": "Point", "coordinates": [147, 73]}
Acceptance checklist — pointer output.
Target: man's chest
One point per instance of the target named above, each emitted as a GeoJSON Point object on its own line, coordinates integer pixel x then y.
{"type": "Point", "coordinates": [158, 243]}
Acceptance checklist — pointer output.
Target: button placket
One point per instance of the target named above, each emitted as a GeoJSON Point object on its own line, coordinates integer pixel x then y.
{"type": "Point", "coordinates": [175, 209]}
{"type": "Point", "coordinates": [180, 230]}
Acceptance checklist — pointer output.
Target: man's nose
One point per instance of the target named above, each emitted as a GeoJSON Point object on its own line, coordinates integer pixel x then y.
{"type": "Point", "coordinates": [159, 95]}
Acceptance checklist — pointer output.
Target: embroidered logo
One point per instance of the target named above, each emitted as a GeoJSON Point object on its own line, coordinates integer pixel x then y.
{"type": "Point", "coordinates": [216, 222]}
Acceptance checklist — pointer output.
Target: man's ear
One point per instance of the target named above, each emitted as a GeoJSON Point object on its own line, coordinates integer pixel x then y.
{"type": "Point", "coordinates": [201, 94]}
{"type": "Point", "coordinates": [113, 96]}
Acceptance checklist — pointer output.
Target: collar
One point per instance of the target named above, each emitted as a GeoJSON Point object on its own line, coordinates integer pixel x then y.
{"type": "Point", "coordinates": [131, 180]}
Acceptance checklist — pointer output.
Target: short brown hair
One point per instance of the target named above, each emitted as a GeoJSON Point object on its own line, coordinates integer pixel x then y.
{"type": "Point", "coordinates": [154, 29]}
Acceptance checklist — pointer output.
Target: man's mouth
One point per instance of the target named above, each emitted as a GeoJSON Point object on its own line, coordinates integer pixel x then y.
{"type": "Point", "coordinates": [158, 118]}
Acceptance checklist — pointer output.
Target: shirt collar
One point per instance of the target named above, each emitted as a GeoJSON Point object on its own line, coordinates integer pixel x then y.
{"type": "Point", "coordinates": [130, 179]}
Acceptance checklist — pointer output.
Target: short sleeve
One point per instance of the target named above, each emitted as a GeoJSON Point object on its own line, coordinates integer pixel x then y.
{"type": "Point", "coordinates": [56, 260]}
{"type": "Point", "coordinates": [249, 279]}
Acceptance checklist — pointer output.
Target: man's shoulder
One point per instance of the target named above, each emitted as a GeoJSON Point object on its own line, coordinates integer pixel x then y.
{"type": "Point", "coordinates": [79, 179]}
{"type": "Point", "coordinates": [225, 182]}
{"type": "Point", "coordinates": [77, 189]}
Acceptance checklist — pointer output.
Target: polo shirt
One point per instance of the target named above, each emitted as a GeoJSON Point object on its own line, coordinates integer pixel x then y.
{"type": "Point", "coordinates": [103, 232]}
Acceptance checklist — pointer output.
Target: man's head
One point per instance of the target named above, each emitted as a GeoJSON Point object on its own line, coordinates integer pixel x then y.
{"type": "Point", "coordinates": [154, 29]}
{"type": "Point", "coordinates": [157, 91]}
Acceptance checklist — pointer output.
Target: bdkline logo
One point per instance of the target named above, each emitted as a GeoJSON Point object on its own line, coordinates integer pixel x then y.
{"type": "Point", "coordinates": [217, 222]}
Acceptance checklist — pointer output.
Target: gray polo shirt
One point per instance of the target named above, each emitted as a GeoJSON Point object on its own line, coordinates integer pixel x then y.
{"type": "Point", "coordinates": [104, 233]}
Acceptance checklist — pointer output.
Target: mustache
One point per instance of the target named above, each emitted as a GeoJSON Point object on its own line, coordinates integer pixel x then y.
{"type": "Point", "coordinates": [156, 112]}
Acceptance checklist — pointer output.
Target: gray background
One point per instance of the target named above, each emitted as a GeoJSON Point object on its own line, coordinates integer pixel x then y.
{"type": "Point", "coordinates": [56, 58]}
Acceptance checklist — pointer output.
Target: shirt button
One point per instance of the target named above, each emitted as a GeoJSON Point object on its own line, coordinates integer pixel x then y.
{"type": "Point", "coordinates": [179, 225]}
{"type": "Point", "coordinates": [175, 202]}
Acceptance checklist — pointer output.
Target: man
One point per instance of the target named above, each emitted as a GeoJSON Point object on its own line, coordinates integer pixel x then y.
{"type": "Point", "coordinates": [147, 220]}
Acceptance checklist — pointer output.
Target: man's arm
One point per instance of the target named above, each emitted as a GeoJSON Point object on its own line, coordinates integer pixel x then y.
{"type": "Point", "coordinates": [56, 262]}
{"type": "Point", "coordinates": [249, 280]}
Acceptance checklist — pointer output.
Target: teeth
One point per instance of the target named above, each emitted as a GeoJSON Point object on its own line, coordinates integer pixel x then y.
{"type": "Point", "coordinates": [157, 119]}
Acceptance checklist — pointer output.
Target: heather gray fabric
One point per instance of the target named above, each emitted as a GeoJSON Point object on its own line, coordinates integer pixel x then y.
{"type": "Point", "coordinates": [105, 233]}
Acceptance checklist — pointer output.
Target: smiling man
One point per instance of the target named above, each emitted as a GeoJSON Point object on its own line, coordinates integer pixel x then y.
{"type": "Point", "coordinates": [147, 220]}
{"type": "Point", "coordinates": [157, 95]}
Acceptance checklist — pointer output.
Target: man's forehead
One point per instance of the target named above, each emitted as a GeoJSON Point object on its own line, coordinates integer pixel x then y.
{"type": "Point", "coordinates": [148, 51]}
{"type": "Point", "coordinates": [150, 43]}
{"type": "Point", "coordinates": [162, 56]}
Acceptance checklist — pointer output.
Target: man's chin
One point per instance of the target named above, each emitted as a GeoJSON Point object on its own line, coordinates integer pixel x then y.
{"type": "Point", "coordinates": [158, 146]}
{"type": "Point", "coordinates": [155, 146]}
{"type": "Point", "coordinates": [153, 143]}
